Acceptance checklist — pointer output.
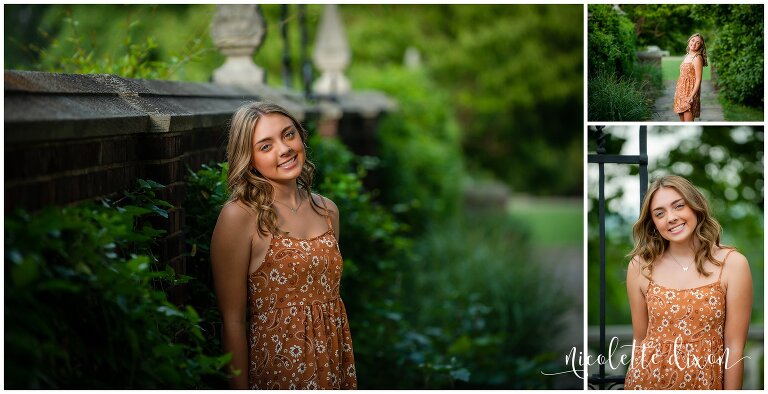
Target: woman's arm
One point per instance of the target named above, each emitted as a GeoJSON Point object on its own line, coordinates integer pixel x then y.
{"type": "Point", "coordinates": [738, 308]}
{"type": "Point", "coordinates": [636, 295]}
{"type": "Point", "coordinates": [698, 66]}
{"type": "Point", "coordinates": [230, 257]}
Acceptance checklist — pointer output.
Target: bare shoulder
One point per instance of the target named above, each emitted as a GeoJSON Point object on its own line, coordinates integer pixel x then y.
{"type": "Point", "coordinates": [635, 265]}
{"type": "Point", "coordinates": [326, 202]}
{"type": "Point", "coordinates": [735, 262]}
{"type": "Point", "coordinates": [698, 61]}
{"type": "Point", "coordinates": [234, 212]}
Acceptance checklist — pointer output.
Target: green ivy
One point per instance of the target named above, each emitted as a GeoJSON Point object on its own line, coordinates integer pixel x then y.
{"type": "Point", "coordinates": [85, 304]}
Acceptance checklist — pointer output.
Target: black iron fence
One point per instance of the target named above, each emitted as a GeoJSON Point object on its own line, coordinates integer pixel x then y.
{"type": "Point", "coordinates": [601, 158]}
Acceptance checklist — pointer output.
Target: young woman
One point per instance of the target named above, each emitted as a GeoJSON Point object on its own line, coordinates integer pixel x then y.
{"type": "Point", "coordinates": [688, 90]}
{"type": "Point", "coordinates": [690, 296]}
{"type": "Point", "coordinates": [275, 253]}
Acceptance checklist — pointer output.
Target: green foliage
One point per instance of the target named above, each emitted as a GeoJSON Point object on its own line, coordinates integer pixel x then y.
{"type": "Point", "coordinates": [612, 98]}
{"type": "Point", "coordinates": [480, 301]}
{"type": "Point", "coordinates": [611, 42]}
{"type": "Point", "coordinates": [77, 40]}
{"type": "Point", "coordinates": [736, 52]}
{"type": "Point", "coordinates": [667, 26]}
{"type": "Point", "coordinates": [86, 298]}
{"type": "Point", "coordinates": [421, 163]}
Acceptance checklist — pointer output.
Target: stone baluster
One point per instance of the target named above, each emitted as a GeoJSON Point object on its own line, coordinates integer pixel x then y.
{"type": "Point", "coordinates": [238, 30]}
{"type": "Point", "coordinates": [331, 54]}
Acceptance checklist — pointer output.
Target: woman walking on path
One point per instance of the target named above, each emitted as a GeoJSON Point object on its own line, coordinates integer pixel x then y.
{"type": "Point", "coordinates": [690, 297]}
{"type": "Point", "coordinates": [687, 102]}
{"type": "Point", "coordinates": [275, 254]}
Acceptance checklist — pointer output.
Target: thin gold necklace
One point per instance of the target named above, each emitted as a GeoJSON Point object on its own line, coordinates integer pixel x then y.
{"type": "Point", "coordinates": [293, 210]}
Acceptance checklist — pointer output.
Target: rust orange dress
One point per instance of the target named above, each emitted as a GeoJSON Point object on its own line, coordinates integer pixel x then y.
{"type": "Point", "coordinates": [299, 335]}
{"type": "Point", "coordinates": [683, 346]}
{"type": "Point", "coordinates": [686, 83]}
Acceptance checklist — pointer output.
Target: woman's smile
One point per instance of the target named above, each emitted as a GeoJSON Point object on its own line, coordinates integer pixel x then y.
{"type": "Point", "coordinates": [288, 165]}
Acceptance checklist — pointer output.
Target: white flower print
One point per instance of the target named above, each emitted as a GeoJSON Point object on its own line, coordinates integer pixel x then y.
{"type": "Point", "coordinates": [312, 385]}
{"type": "Point", "coordinates": [670, 294]}
{"type": "Point", "coordinates": [674, 308]}
{"type": "Point", "coordinates": [278, 347]}
{"type": "Point", "coordinates": [320, 348]}
{"type": "Point", "coordinates": [351, 370]}
{"type": "Point", "coordinates": [304, 288]}
{"type": "Point", "coordinates": [259, 303]}
{"type": "Point", "coordinates": [347, 347]}
{"type": "Point", "coordinates": [713, 300]}
{"type": "Point", "coordinates": [274, 275]}
{"type": "Point", "coordinates": [304, 245]}
{"type": "Point", "coordinates": [263, 317]}
{"type": "Point", "coordinates": [275, 338]}
{"type": "Point", "coordinates": [687, 377]}
{"type": "Point", "coordinates": [718, 313]}
{"type": "Point", "coordinates": [295, 351]}
{"type": "Point", "coordinates": [301, 368]}
{"type": "Point", "coordinates": [656, 290]}
{"type": "Point", "coordinates": [310, 279]}
{"type": "Point", "coordinates": [323, 279]}
{"type": "Point", "coordinates": [282, 280]}
{"type": "Point", "coordinates": [287, 320]}
{"type": "Point", "coordinates": [682, 324]}
{"type": "Point", "coordinates": [315, 261]}
{"type": "Point", "coordinates": [664, 322]}
{"type": "Point", "coordinates": [287, 242]}
{"type": "Point", "coordinates": [294, 310]}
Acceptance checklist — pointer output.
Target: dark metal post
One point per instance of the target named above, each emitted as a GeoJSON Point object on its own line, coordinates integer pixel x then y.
{"type": "Point", "coordinates": [643, 163]}
{"type": "Point", "coordinates": [306, 66]}
{"type": "Point", "coordinates": [287, 77]}
{"type": "Point", "coordinates": [601, 210]}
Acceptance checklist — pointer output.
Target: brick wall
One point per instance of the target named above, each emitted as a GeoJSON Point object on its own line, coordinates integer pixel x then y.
{"type": "Point", "coordinates": [72, 138]}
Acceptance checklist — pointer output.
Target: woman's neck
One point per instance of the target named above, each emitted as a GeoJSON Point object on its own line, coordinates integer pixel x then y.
{"type": "Point", "coordinates": [287, 193]}
{"type": "Point", "coordinates": [683, 249]}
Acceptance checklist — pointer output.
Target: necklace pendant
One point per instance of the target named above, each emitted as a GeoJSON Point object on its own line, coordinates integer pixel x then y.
{"type": "Point", "coordinates": [685, 268]}
{"type": "Point", "coordinates": [293, 210]}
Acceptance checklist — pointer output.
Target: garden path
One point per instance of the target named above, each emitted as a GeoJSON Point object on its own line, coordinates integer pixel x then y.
{"type": "Point", "coordinates": [711, 111]}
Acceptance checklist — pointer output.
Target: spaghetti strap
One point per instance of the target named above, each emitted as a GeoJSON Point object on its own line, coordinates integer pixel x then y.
{"type": "Point", "coordinates": [327, 214]}
{"type": "Point", "coordinates": [722, 268]}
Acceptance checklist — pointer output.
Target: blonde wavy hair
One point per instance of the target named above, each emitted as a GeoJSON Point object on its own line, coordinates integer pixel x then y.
{"type": "Point", "coordinates": [650, 245]}
{"type": "Point", "coordinates": [702, 51]}
{"type": "Point", "coordinates": [244, 182]}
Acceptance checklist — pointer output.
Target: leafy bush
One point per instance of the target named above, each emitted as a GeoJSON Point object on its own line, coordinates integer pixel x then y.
{"type": "Point", "coordinates": [736, 52]}
{"type": "Point", "coordinates": [611, 41]}
{"type": "Point", "coordinates": [648, 75]}
{"type": "Point", "coordinates": [86, 306]}
{"type": "Point", "coordinates": [421, 162]}
{"type": "Point", "coordinates": [612, 98]}
{"type": "Point", "coordinates": [479, 298]}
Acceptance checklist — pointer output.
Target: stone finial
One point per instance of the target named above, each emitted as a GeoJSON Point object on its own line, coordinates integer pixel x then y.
{"type": "Point", "coordinates": [331, 54]}
{"type": "Point", "coordinates": [238, 30]}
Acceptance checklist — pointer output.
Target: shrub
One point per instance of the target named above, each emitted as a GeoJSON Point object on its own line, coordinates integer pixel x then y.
{"type": "Point", "coordinates": [86, 301]}
{"type": "Point", "coordinates": [616, 99]}
{"type": "Point", "coordinates": [611, 41]}
{"type": "Point", "coordinates": [736, 52]}
{"type": "Point", "coordinates": [421, 161]}
{"type": "Point", "coordinates": [648, 75]}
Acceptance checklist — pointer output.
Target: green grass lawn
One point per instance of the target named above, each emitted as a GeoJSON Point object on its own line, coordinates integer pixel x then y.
{"type": "Point", "coordinates": [553, 222]}
{"type": "Point", "coordinates": [670, 68]}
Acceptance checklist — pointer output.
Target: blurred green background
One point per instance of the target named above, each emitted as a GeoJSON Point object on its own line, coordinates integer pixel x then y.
{"type": "Point", "coordinates": [442, 291]}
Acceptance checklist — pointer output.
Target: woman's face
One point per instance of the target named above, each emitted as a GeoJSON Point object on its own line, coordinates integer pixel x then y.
{"type": "Point", "coordinates": [674, 220]}
{"type": "Point", "coordinates": [695, 44]}
{"type": "Point", "coordinates": [277, 151]}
